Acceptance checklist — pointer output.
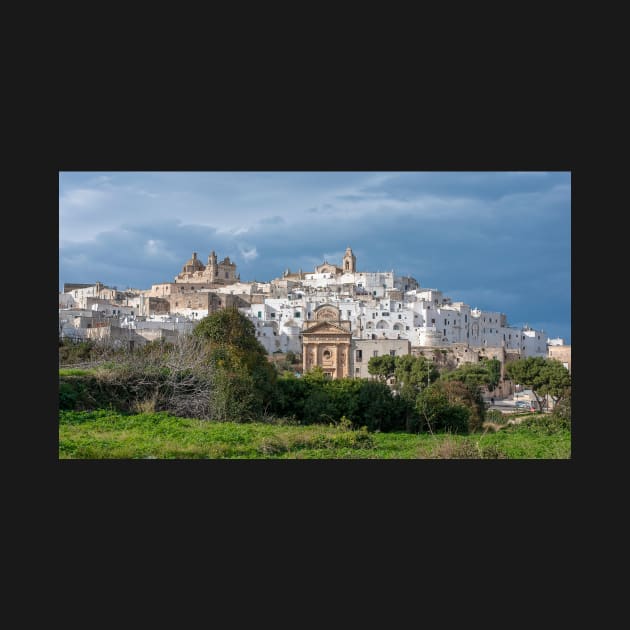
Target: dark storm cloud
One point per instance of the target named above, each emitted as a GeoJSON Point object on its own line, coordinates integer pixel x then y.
{"type": "Point", "coordinates": [498, 241]}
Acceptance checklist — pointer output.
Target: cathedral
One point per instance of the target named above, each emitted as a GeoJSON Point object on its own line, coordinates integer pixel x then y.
{"type": "Point", "coordinates": [215, 273]}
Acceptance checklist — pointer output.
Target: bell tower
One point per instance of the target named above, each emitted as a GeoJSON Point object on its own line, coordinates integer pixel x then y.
{"type": "Point", "coordinates": [213, 269]}
{"type": "Point", "coordinates": [349, 261]}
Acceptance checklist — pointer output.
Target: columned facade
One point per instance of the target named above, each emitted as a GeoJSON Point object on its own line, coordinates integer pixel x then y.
{"type": "Point", "coordinates": [326, 342]}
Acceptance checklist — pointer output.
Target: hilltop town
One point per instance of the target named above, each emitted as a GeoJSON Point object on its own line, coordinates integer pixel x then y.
{"type": "Point", "coordinates": [335, 317]}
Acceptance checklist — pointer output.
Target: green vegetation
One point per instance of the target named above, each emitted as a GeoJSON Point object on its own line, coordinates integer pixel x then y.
{"type": "Point", "coordinates": [108, 434]}
{"type": "Point", "coordinates": [73, 372]}
{"type": "Point", "coordinates": [216, 394]}
{"type": "Point", "coordinates": [542, 376]}
{"type": "Point", "coordinates": [488, 372]}
{"type": "Point", "coordinates": [314, 399]}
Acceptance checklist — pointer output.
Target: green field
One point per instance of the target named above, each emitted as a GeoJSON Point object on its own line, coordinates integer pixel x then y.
{"type": "Point", "coordinates": [106, 434]}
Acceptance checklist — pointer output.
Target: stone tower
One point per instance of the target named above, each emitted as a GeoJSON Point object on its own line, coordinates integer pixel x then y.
{"type": "Point", "coordinates": [212, 267]}
{"type": "Point", "coordinates": [349, 261]}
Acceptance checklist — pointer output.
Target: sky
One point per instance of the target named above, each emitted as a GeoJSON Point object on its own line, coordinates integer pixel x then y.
{"type": "Point", "coordinates": [497, 241]}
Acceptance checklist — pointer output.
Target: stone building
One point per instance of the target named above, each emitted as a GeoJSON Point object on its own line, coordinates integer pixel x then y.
{"type": "Point", "coordinates": [364, 349]}
{"type": "Point", "coordinates": [326, 342]}
{"type": "Point", "coordinates": [214, 273]}
{"type": "Point", "coordinates": [560, 352]}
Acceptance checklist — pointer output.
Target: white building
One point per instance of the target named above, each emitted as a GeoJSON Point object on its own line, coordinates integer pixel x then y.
{"type": "Point", "coordinates": [379, 305]}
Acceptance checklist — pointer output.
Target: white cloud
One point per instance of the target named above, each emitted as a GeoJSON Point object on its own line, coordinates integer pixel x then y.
{"type": "Point", "coordinates": [248, 254]}
{"type": "Point", "coordinates": [152, 247]}
{"type": "Point", "coordinates": [83, 197]}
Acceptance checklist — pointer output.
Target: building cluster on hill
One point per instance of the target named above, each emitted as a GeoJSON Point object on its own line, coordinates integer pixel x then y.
{"type": "Point", "coordinates": [335, 317]}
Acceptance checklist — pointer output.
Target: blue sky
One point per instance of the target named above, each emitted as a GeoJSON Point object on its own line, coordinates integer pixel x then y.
{"type": "Point", "coordinates": [495, 240]}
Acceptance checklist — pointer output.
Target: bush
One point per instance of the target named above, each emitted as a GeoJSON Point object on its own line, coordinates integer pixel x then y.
{"type": "Point", "coordinates": [562, 413]}
{"type": "Point", "coordinates": [466, 449]}
{"type": "Point", "coordinates": [437, 414]}
{"type": "Point", "coordinates": [495, 416]}
{"type": "Point", "coordinates": [313, 399]}
{"type": "Point", "coordinates": [467, 395]}
{"type": "Point", "coordinates": [546, 424]}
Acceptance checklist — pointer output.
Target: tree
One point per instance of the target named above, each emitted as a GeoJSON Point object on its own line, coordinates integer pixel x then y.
{"type": "Point", "coordinates": [229, 327]}
{"type": "Point", "coordinates": [476, 374]}
{"type": "Point", "coordinates": [558, 381]}
{"type": "Point", "coordinates": [243, 371]}
{"type": "Point", "coordinates": [494, 370]}
{"type": "Point", "coordinates": [468, 395]}
{"type": "Point", "coordinates": [542, 376]}
{"type": "Point", "coordinates": [437, 413]}
{"type": "Point", "coordinates": [383, 366]}
{"type": "Point", "coordinates": [413, 374]}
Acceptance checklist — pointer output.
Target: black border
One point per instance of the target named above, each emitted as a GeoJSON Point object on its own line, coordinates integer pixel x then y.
{"type": "Point", "coordinates": [339, 138]}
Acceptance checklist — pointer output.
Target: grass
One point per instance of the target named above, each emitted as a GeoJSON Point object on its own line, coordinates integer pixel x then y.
{"type": "Point", "coordinates": [104, 434]}
{"type": "Point", "coordinates": [74, 372]}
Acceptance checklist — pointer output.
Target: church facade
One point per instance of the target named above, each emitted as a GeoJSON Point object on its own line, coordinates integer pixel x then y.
{"type": "Point", "coordinates": [327, 343]}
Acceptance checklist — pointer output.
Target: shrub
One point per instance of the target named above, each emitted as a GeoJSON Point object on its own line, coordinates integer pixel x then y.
{"type": "Point", "coordinates": [452, 449]}
{"type": "Point", "coordinates": [437, 414]}
{"type": "Point", "coordinates": [468, 395]}
{"type": "Point", "coordinates": [449, 448]}
{"type": "Point", "coordinates": [495, 416]}
{"type": "Point", "coordinates": [546, 424]}
{"type": "Point", "coordinates": [562, 413]}
{"type": "Point", "coordinates": [272, 446]}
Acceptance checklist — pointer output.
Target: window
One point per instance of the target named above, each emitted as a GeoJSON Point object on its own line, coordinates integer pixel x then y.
{"type": "Point", "coordinates": [445, 332]}
{"type": "Point", "coordinates": [349, 313]}
{"type": "Point", "coordinates": [466, 318]}
{"type": "Point", "coordinates": [433, 320]}
{"type": "Point", "coordinates": [375, 353]}
{"type": "Point", "coordinates": [359, 356]}
{"type": "Point", "coordinates": [392, 353]}
{"type": "Point", "coordinates": [385, 313]}
{"type": "Point", "coordinates": [399, 316]}
{"type": "Point", "coordinates": [272, 315]}
{"type": "Point", "coordinates": [445, 322]}
{"type": "Point", "coordinates": [326, 354]}
{"type": "Point", "coordinates": [373, 315]}
{"type": "Point", "coordinates": [406, 327]}
{"type": "Point", "coordinates": [296, 314]}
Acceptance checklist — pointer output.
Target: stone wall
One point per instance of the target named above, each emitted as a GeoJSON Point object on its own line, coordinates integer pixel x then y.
{"type": "Point", "coordinates": [362, 350]}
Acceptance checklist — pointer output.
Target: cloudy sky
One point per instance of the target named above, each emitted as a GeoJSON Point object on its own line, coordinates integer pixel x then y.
{"type": "Point", "coordinates": [495, 240]}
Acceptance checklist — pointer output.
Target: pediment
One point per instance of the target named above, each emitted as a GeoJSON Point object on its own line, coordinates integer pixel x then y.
{"type": "Point", "coordinates": [326, 327]}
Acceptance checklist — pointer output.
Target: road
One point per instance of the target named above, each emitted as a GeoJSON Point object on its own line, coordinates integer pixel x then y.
{"type": "Point", "coordinates": [508, 405]}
